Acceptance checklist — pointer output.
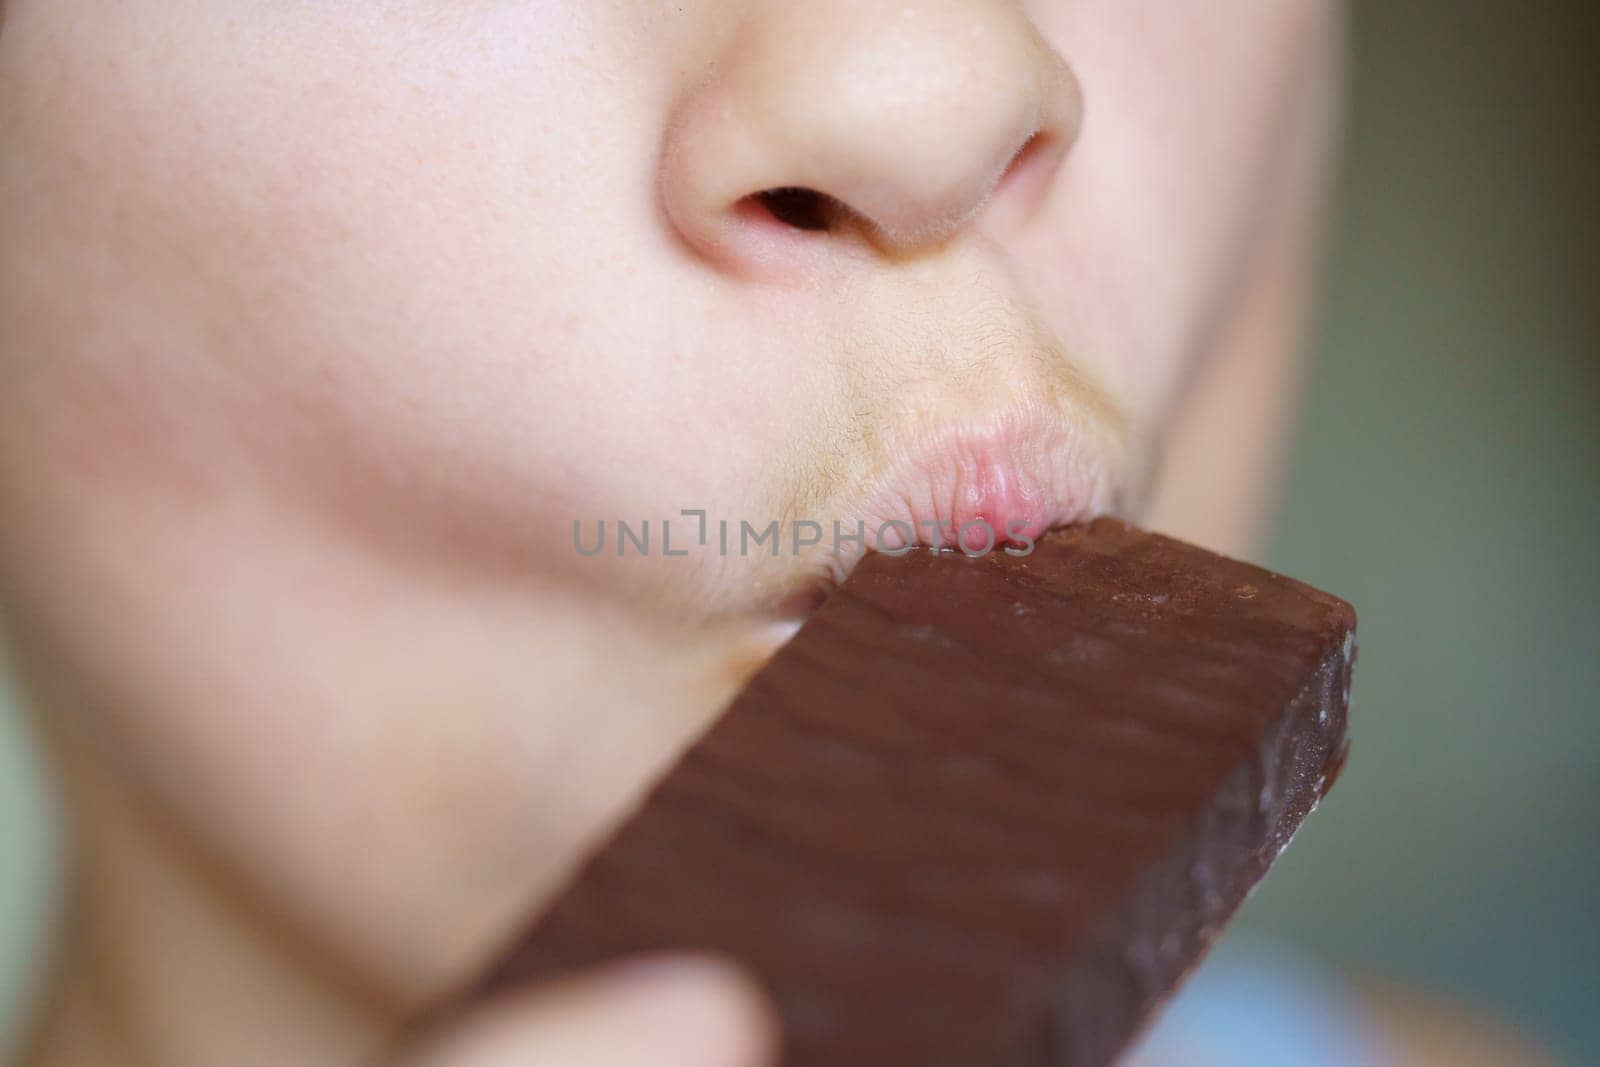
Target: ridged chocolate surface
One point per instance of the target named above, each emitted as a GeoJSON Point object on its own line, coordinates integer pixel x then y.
{"type": "Point", "coordinates": [984, 811]}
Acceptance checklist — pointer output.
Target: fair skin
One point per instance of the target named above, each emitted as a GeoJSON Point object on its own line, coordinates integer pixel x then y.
{"type": "Point", "coordinates": [324, 322]}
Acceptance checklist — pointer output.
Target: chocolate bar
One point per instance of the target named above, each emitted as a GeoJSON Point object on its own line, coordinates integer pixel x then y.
{"type": "Point", "coordinates": [984, 811]}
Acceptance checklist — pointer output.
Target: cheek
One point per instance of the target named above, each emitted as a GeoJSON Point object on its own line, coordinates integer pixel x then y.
{"type": "Point", "coordinates": [293, 323]}
{"type": "Point", "coordinates": [317, 343]}
{"type": "Point", "coordinates": [398, 279]}
{"type": "Point", "coordinates": [1184, 112]}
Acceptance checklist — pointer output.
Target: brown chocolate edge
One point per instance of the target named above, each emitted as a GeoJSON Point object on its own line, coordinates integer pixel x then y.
{"type": "Point", "coordinates": [1124, 978]}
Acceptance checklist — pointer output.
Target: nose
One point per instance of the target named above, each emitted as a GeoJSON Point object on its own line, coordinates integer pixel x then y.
{"type": "Point", "coordinates": [892, 120]}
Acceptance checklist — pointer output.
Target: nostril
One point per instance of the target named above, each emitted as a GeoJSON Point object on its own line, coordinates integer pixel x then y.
{"type": "Point", "coordinates": [1027, 179]}
{"type": "Point", "coordinates": [803, 209]}
{"type": "Point", "coordinates": [1023, 161]}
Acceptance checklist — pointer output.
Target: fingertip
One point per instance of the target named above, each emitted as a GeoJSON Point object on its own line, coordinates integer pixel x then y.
{"type": "Point", "coordinates": [662, 1011]}
{"type": "Point", "coordinates": [710, 1011]}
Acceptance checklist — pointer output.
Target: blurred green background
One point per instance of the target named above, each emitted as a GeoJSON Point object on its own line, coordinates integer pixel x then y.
{"type": "Point", "coordinates": [1447, 481]}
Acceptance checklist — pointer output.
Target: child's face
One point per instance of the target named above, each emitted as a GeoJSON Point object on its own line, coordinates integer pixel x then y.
{"type": "Point", "coordinates": [324, 322]}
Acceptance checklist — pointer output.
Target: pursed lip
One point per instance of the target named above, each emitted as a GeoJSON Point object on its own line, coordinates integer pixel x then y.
{"type": "Point", "coordinates": [983, 480]}
{"type": "Point", "coordinates": [1007, 480]}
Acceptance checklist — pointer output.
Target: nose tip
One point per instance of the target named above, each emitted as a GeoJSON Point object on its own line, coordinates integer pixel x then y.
{"type": "Point", "coordinates": [893, 120]}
